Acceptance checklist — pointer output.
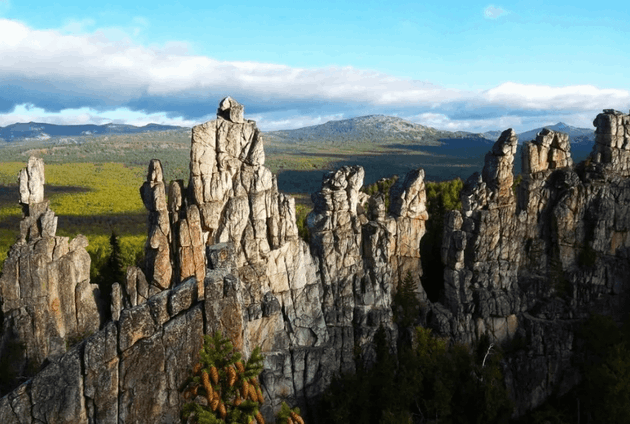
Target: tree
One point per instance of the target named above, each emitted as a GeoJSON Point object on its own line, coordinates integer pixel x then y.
{"type": "Point", "coordinates": [428, 381]}
{"type": "Point", "coordinates": [225, 389]}
{"type": "Point", "coordinates": [110, 272]}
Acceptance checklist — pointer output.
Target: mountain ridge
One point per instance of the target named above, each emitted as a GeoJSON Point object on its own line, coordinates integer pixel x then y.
{"type": "Point", "coordinates": [43, 131]}
{"type": "Point", "coordinates": [368, 127]}
{"type": "Point", "coordinates": [373, 128]}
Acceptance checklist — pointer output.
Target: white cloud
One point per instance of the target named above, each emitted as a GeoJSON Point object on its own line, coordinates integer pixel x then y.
{"type": "Point", "coordinates": [493, 12]}
{"type": "Point", "coordinates": [543, 97]}
{"type": "Point", "coordinates": [106, 62]}
{"type": "Point", "coordinates": [269, 123]}
{"type": "Point", "coordinates": [87, 74]}
{"type": "Point", "coordinates": [443, 122]}
{"type": "Point", "coordinates": [84, 116]}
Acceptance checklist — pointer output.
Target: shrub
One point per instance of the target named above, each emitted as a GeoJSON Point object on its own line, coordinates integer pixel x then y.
{"type": "Point", "coordinates": [381, 186]}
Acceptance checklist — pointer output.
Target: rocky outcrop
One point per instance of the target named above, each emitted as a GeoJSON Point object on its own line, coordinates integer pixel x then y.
{"type": "Point", "coordinates": [531, 266]}
{"type": "Point", "coordinates": [612, 142]}
{"type": "Point", "coordinates": [47, 299]}
{"type": "Point", "coordinates": [158, 258]}
{"type": "Point", "coordinates": [223, 254]}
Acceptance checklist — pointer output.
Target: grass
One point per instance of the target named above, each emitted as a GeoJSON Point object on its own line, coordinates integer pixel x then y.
{"type": "Point", "coordinates": [93, 199]}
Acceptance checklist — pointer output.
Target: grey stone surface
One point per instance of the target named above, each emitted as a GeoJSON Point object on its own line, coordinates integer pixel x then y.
{"type": "Point", "coordinates": [526, 263]}
{"type": "Point", "coordinates": [535, 263]}
{"type": "Point", "coordinates": [47, 300]}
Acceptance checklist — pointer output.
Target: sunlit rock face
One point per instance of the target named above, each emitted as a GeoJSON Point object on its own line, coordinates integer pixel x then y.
{"type": "Point", "coordinates": [47, 298]}
{"type": "Point", "coordinates": [532, 261]}
{"type": "Point", "coordinates": [522, 263]}
{"type": "Point", "coordinates": [223, 254]}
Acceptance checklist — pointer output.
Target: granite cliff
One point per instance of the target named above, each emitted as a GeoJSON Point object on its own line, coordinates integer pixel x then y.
{"type": "Point", "coordinates": [223, 253]}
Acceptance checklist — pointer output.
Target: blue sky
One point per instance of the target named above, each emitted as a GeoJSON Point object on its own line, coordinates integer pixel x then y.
{"type": "Point", "coordinates": [469, 66]}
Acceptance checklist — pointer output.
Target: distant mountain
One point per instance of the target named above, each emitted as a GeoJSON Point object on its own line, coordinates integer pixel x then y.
{"type": "Point", "coordinates": [576, 135]}
{"type": "Point", "coordinates": [383, 129]}
{"type": "Point", "coordinates": [373, 128]}
{"type": "Point", "coordinates": [492, 135]}
{"type": "Point", "coordinates": [41, 131]}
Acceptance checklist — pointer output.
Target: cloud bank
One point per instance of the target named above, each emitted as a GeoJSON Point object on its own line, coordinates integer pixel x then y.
{"type": "Point", "coordinates": [94, 76]}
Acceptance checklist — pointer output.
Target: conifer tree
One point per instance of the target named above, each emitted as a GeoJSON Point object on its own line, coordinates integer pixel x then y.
{"type": "Point", "coordinates": [111, 271]}
{"type": "Point", "coordinates": [223, 388]}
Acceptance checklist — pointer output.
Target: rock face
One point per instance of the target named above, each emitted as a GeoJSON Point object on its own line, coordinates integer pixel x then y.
{"type": "Point", "coordinates": [612, 142]}
{"type": "Point", "coordinates": [47, 299]}
{"type": "Point", "coordinates": [158, 257]}
{"type": "Point", "coordinates": [532, 266]}
{"type": "Point", "coordinates": [223, 254]}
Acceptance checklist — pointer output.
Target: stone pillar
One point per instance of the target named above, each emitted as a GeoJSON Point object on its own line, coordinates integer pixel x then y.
{"type": "Point", "coordinates": [612, 141]}
{"type": "Point", "coordinates": [158, 257]}
{"type": "Point", "coordinates": [45, 291]}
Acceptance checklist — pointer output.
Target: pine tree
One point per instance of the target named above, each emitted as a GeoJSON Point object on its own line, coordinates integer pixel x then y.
{"type": "Point", "coordinates": [111, 272]}
{"type": "Point", "coordinates": [115, 262]}
{"type": "Point", "coordinates": [223, 388]}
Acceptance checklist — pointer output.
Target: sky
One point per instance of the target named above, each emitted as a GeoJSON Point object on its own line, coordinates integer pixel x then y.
{"type": "Point", "coordinates": [452, 65]}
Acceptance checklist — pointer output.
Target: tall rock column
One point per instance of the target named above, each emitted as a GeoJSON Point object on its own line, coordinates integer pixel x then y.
{"type": "Point", "coordinates": [549, 153]}
{"type": "Point", "coordinates": [158, 257]}
{"type": "Point", "coordinates": [612, 141]}
{"type": "Point", "coordinates": [408, 206]}
{"type": "Point", "coordinates": [47, 299]}
{"type": "Point", "coordinates": [336, 240]}
{"type": "Point", "coordinates": [481, 248]}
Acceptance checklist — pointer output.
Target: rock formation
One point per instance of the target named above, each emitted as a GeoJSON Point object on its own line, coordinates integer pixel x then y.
{"type": "Point", "coordinates": [47, 299]}
{"type": "Point", "coordinates": [223, 254]}
{"type": "Point", "coordinates": [534, 265]}
{"type": "Point", "coordinates": [612, 142]}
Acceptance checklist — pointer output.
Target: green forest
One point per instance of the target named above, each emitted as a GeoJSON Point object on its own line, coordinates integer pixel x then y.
{"type": "Point", "coordinates": [91, 199]}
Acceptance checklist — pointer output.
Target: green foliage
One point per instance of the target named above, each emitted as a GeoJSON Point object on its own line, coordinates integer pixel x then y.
{"type": "Point", "coordinates": [301, 212]}
{"type": "Point", "coordinates": [516, 183]}
{"type": "Point", "coordinates": [90, 199]}
{"type": "Point", "coordinates": [406, 303]}
{"type": "Point", "coordinates": [218, 357]}
{"type": "Point", "coordinates": [7, 238]}
{"type": "Point", "coordinates": [606, 370]}
{"type": "Point", "coordinates": [282, 417]}
{"type": "Point", "coordinates": [429, 381]}
{"type": "Point", "coordinates": [381, 186]}
{"type": "Point", "coordinates": [441, 198]}
{"type": "Point", "coordinates": [110, 269]}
